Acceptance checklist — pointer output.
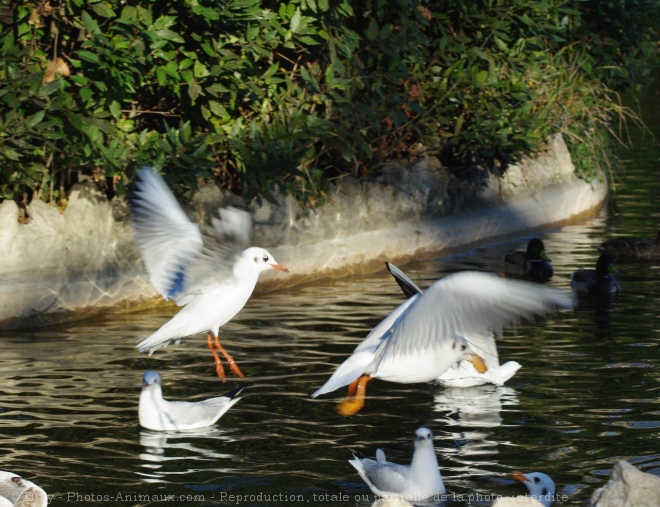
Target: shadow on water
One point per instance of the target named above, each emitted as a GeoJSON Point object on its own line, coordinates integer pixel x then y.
{"type": "Point", "coordinates": [588, 393]}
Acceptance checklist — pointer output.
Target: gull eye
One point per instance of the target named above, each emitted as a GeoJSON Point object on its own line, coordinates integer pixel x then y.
{"type": "Point", "coordinates": [463, 347]}
{"type": "Point", "coordinates": [265, 258]}
{"type": "Point", "coordinates": [537, 480]}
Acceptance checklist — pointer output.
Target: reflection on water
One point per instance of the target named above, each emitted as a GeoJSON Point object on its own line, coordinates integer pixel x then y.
{"type": "Point", "coordinates": [477, 406]}
{"type": "Point", "coordinates": [193, 447]}
{"type": "Point", "coordinates": [587, 395]}
{"type": "Point", "coordinates": [469, 416]}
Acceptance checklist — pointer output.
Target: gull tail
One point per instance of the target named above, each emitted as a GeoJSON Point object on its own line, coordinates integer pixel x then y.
{"type": "Point", "coordinates": [171, 330]}
{"type": "Point", "coordinates": [226, 401]}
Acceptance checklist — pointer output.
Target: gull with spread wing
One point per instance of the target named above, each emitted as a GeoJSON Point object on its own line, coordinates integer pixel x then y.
{"type": "Point", "coordinates": [425, 336]}
{"type": "Point", "coordinates": [463, 373]}
{"type": "Point", "coordinates": [211, 272]}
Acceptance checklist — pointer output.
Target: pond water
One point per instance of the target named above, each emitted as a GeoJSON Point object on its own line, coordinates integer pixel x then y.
{"type": "Point", "coordinates": [587, 396]}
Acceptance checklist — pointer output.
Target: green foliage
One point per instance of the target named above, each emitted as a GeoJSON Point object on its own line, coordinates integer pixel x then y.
{"type": "Point", "coordinates": [619, 38]}
{"type": "Point", "coordinates": [261, 94]}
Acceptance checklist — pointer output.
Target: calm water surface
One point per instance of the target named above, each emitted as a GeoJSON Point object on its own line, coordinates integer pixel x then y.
{"type": "Point", "coordinates": [587, 396]}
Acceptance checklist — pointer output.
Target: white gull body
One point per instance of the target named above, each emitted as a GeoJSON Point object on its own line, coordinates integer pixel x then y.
{"type": "Point", "coordinates": [463, 373]}
{"type": "Point", "coordinates": [420, 481]}
{"type": "Point", "coordinates": [19, 492]}
{"type": "Point", "coordinates": [211, 271]}
{"type": "Point", "coordinates": [158, 414]}
{"type": "Point", "coordinates": [424, 336]}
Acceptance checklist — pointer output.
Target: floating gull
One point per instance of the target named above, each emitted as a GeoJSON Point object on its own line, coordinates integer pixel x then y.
{"type": "Point", "coordinates": [156, 413]}
{"type": "Point", "coordinates": [19, 492]}
{"type": "Point", "coordinates": [463, 373]}
{"type": "Point", "coordinates": [424, 336]}
{"type": "Point", "coordinates": [211, 273]}
{"type": "Point", "coordinates": [419, 481]}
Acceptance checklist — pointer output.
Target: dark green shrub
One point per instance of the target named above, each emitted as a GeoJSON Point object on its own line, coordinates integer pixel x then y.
{"type": "Point", "coordinates": [264, 94]}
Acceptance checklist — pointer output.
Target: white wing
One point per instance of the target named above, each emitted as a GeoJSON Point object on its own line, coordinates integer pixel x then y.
{"type": "Point", "coordinates": [181, 260]}
{"type": "Point", "coordinates": [469, 304]}
{"type": "Point", "coordinates": [363, 355]}
{"type": "Point", "coordinates": [381, 476]}
{"type": "Point", "coordinates": [191, 415]}
{"type": "Point", "coordinates": [223, 243]}
{"type": "Point", "coordinates": [167, 238]}
{"type": "Point", "coordinates": [483, 345]}
{"type": "Point", "coordinates": [159, 414]}
{"type": "Point", "coordinates": [463, 374]}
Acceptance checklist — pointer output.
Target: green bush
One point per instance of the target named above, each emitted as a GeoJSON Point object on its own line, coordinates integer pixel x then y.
{"type": "Point", "coordinates": [293, 94]}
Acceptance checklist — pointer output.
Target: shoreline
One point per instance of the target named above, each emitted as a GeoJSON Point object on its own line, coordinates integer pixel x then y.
{"type": "Point", "coordinates": [70, 266]}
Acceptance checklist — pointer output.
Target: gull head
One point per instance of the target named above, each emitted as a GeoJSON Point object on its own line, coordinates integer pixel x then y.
{"type": "Point", "coordinates": [461, 347]}
{"type": "Point", "coordinates": [541, 487]}
{"type": "Point", "coordinates": [258, 259]}
{"type": "Point", "coordinates": [423, 438]}
{"type": "Point", "coordinates": [150, 379]}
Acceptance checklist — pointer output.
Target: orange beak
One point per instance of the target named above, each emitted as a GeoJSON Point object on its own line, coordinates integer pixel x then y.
{"type": "Point", "coordinates": [519, 476]}
{"type": "Point", "coordinates": [477, 362]}
{"type": "Point", "coordinates": [279, 267]}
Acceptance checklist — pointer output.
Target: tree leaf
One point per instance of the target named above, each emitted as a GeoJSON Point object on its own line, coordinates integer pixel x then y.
{"type": "Point", "coordinates": [295, 21]}
{"type": "Point", "coordinates": [103, 10]}
{"type": "Point", "coordinates": [88, 56]}
{"type": "Point", "coordinates": [35, 118]}
{"type": "Point", "coordinates": [89, 23]}
{"type": "Point", "coordinates": [169, 35]}
{"type": "Point", "coordinates": [372, 29]}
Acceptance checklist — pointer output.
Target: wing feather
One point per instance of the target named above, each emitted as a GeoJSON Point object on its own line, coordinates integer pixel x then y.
{"type": "Point", "coordinates": [167, 238]}
{"type": "Point", "coordinates": [469, 304]}
{"type": "Point", "coordinates": [224, 241]}
{"type": "Point", "coordinates": [363, 355]}
{"type": "Point", "coordinates": [182, 260]}
{"type": "Point", "coordinates": [381, 475]}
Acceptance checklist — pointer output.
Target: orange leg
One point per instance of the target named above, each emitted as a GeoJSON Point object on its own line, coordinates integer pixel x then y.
{"type": "Point", "coordinates": [230, 360]}
{"type": "Point", "coordinates": [218, 364]}
{"type": "Point", "coordinates": [355, 399]}
{"type": "Point", "coordinates": [352, 388]}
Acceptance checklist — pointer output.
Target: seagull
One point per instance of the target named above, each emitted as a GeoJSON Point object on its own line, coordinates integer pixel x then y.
{"type": "Point", "coordinates": [541, 487]}
{"type": "Point", "coordinates": [158, 414]}
{"type": "Point", "coordinates": [424, 336]}
{"type": "Point", "coordinates": [463, 373]}
{"type": "Point", "coordinates": [419, 481]}
{"type": "Point", "coordinates": [14, 490]}
{"type": "Point", "coordinates": [210, 272]}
